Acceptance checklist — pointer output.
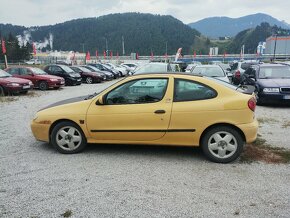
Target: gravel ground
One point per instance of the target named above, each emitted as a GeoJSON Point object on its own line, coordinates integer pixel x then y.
{"type": "Point", "coordinates": [133, 181]}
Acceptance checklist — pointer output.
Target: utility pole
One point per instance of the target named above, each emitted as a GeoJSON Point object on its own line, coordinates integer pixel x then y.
{"type": "Point", "coordinates": [275, 48]}
{"type": "Point", "coordinates": [123, 45]}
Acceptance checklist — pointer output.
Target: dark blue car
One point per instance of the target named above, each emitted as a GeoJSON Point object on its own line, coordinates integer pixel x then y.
{"type": "Point", "coordinates": [272, 82]}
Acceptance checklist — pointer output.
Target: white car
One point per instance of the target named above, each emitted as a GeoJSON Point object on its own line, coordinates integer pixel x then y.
{"type": "Point", "coordinates": [210, 71]}
{"type": "Point", "coordinates": [119, 68]}
{"type": "Point", "coordinates": [33, 62]}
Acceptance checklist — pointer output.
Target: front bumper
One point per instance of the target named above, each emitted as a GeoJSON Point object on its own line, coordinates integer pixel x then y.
{"type": "Point", "coordinates": [40, 131]}
{"type": "Point", "coordinates": [273, 98]}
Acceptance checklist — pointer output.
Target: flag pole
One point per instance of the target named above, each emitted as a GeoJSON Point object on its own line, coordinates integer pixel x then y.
{"type": "Point", "coordinates": [6, 64]}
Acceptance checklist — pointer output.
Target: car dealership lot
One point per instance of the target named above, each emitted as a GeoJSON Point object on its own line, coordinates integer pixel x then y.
{"type": "Point", "coordinates": [133, 181]}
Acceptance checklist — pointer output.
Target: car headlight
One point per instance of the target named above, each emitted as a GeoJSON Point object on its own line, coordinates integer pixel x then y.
{"type": "Point", "coordinates": [13, 84]}
{"type": "Point", "coordinates": [273, 90]}
{"type": "Point", "coordinates": [30, 83]}
{"type": "Point", "coordinates": [53, 80]}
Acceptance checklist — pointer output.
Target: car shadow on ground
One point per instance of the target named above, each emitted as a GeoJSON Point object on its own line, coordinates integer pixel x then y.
{"type": "Point", "coordinates": [138, 150]}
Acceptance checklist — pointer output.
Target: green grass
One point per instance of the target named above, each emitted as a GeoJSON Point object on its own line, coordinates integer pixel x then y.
{"type": "Point", "coordinates": [260, 150]}
{"type": "Point", "coordinates": [263, 120]}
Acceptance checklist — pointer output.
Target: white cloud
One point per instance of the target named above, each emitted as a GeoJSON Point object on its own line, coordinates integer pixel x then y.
{"type": "Point", "coordinates": [44, 12]}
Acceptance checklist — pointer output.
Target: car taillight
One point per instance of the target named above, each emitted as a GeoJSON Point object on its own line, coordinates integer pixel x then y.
{"type": "Point", "coordinates": [252, 104]}
{"type": "Point", "coordinates": [238, 74]}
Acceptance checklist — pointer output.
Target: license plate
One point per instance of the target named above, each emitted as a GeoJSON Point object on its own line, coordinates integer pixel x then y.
{"type": "Point", "coordinates": [286, 96]}
{"type": "Point", "coordinates": [26, 87]}
{"type": "Point", "coordinates": [79, 79]}
{"type": "Point", "coordinates": [62, 82]}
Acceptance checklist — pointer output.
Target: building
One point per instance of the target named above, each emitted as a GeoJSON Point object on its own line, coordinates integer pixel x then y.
{"type": "Point", "coordinates": [282, 45]}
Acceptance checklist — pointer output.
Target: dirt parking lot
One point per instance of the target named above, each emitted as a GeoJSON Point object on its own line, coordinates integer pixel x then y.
{"type": "Point", "coordinates": [133, 181]}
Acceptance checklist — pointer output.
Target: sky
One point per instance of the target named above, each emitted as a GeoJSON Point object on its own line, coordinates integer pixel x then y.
{"type": "Point", "coordinates": [48, 12]}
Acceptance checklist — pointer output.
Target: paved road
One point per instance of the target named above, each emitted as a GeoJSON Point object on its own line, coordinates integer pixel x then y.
{"type": "Point", "coordinates": [130, 181]}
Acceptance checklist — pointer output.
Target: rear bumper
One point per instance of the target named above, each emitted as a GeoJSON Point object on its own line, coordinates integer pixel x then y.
{"type": "Point", "coordinates": [250, 130]}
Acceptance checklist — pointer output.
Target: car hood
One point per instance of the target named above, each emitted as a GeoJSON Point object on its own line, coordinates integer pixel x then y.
{"type": "Point", "coordinates": [70, 100]}
{"type": "Point", "coordinates": [275, 82]}
{"type": "Point", "coordinates": [48, 77]}
{"type": "Point", "coordinates": [14, 80]}
{"type": "Point", "coordinates": [67, 101]}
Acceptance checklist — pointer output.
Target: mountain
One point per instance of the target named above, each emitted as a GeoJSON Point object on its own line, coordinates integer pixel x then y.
{"type": "Point", "coordinates": [214, 27]}
{"type": "Point", "coordinates": [142, 33]}
{"type": "Point", "coordinates": [250, 38]}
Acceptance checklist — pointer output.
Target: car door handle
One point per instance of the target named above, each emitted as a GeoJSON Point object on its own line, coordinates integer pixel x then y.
{"type": "Point", "coordinates": [160, 112]}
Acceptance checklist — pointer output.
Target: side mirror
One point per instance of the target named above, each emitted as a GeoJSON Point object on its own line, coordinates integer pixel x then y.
{"type": "Point", "coordinates": [100, 100]}
{"type": "Point", "coordinates": [31, 74]}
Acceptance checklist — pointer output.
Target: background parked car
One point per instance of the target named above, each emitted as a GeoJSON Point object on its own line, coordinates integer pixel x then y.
{"type": "Point", "coordinates": [101, 67]}
{"type": "Point", "coordinates": [210, 71]}
{"type": "Point", "coordinates": [33, 62]}
{"type": "Point", "coordinates": [122, 70]}
{"type": "Point", "coordinates": [87, 75]}
{"type": "Point", "coordinates": [272, 82]}
{"type": "Point", "coordinates": [70, 77]}
{"type": "Point", "coordinates": [108, 75]}
{"type": "Point", "coordinates": [13, 85]}
{"type": "Point", "coordinates": [39, 78]}
{"type": "Point", "coordinates": [154, 67]}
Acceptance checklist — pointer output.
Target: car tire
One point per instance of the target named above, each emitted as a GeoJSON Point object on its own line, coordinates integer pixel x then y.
{"type": "Point", "coordinates": [43, 85]}
{"type": "Point", "coordinates": [2, 91]}
{"type": "Point", "coordinates": [222, 144]}
{"type": "Point", "coordinates": [68, 138]}
{"type": "Point", "coordinates": [89, 80]}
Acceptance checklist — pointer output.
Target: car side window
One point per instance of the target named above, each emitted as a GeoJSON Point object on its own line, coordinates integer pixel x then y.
{"type": "Point", "coordinates": [250, 72]}
{"type": "Point", "coordinates": [13, 71]}
{"type": "Point", "coordinates": [138, 92]}
{"type": "Point", "coordinates": [23, 71]}
{"type": "Point", "coordinates": [187, 90]}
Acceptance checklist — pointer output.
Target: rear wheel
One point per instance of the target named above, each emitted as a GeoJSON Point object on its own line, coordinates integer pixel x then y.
{"type": "Point", "coordinates": [89, 80]}
{"type": "Point", "coordinates": [68, 138]}
{"type": "Point", "coordinates": [222, 144]}
{"type": "Point", "coordinates": [43, 85]}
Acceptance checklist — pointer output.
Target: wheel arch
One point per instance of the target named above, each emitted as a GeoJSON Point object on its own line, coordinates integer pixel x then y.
{"type": "Point", "coordinates": [219, 125]}
{"type": "Point", "coordinates": [59, 121]}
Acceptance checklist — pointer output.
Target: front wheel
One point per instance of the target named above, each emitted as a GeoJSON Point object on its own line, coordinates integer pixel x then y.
{"type": "Point", "coordinates": [89, 80]}
{"type": "Point", "coordinates": [43, 85]}
{"type": "Point", "coordinates": [68, 138]}
{"type": "Point", "coordinates": [222, 144]}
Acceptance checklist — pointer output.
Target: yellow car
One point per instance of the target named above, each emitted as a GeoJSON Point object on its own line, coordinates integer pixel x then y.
{"type": "Point", "coordinates": [154, 109]}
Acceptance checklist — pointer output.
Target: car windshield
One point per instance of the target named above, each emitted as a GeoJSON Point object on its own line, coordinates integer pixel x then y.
{"type": "Point", "coordinates": [93, 68]}
{"type": "Point", "coordinates": [67, 69]}
{"type": "Point", "coordinates": [86, 70]}
{"type": "Point", "coordinates": [151, 68]}
{"type": "Point", "coordinates": [4, 74]}
{"type": "Point", "coordinates": [208, 71]}
{"type": "Point", "coordinates": [38, 71]}
{"type": "Point", "coordinates": [274, 72]}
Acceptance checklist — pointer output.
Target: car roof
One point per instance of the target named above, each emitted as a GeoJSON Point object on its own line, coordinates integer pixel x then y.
{"type": "Point", "coordinates": [168, 73]}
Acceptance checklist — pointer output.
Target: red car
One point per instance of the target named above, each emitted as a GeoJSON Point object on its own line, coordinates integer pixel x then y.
{"type": "Point", "coordinates": [12, 85]}
{"type": "Point", "coordinates": [39, 78]}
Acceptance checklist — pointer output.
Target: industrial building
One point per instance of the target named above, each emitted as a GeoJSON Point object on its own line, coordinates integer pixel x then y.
{"type": "Point", "coordinates": [282, 45]}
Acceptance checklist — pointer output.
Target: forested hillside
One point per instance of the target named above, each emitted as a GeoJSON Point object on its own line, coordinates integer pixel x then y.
{"type": "Point", "coordinates": [142, 33]}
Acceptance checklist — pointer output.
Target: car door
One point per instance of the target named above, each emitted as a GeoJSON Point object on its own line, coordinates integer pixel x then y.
{"type": "Point", "coordinates": [25, 73]}
{"type": "Point", "coordinates": [193, 106]}
{"type": "Point", "coordinates": [136, 110]}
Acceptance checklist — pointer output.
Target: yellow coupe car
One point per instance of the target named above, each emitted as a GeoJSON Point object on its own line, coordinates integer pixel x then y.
{"type": "Point", "coordinates": [155, 109]}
